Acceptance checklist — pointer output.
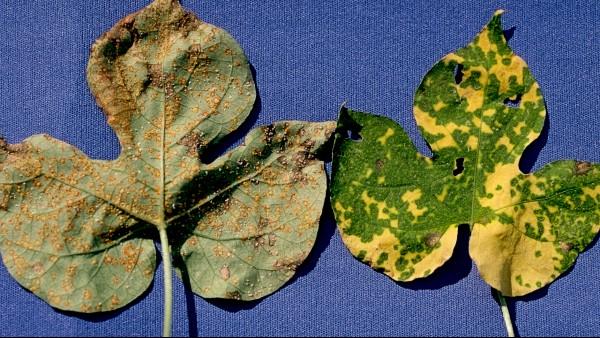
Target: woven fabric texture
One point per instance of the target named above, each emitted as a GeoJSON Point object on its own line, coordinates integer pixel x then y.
{"type": "Point", "coordinates": [309, 57]}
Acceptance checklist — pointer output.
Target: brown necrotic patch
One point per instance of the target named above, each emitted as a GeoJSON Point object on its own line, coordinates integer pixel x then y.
{"type": "Point", "coordinates": [192, 141]}
{"type": "Point", "coordinates": [432, 239]}
{"type": "Point", "coordinates": [565, 247]}
{"type": "Point", "coordinates": [233, 295]}
{"type": "Point", "coordinates": [582, 167]}
{"type": "Point", "coordinates": [379, 165]}
{"type": "Point", "coordinates": [187, 23]}
{"type": "Point", "coordinates": [12, 148]}
{"type": "Point", "coordinates": [120, 39]}
{"type": "Point", "coordinates": [269, 133]}
{"type": "Point", "coordinates": [289, 264]}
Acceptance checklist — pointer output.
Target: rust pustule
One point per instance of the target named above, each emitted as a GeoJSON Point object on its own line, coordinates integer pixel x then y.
{"type": "Point", "coordinates": [193, 142]}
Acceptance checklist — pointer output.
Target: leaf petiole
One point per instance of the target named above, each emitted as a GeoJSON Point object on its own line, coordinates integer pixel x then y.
{"type": "Point", "coordinates": [168, 280]}
{"type": "Point", "coordinates": [506, 314]}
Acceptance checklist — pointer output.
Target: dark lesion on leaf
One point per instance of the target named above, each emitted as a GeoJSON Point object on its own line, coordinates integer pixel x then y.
{"type": "Point", "coordinates": [582, 167]}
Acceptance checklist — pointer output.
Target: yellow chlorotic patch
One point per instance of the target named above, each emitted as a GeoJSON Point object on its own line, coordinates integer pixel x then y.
{"type": "Point", "coordinates": [593, 193]}
{"type": "Point", "coordinates": [411, 198]}
{"type": "Point", "coordinates": [537, 184]}
{"type": "Point", "coordinates": [383, 211]}
{"type": "Point", "coordinates": [531, 95]}
{"type": "Point", "coordinates": [484, 42]}
{"type": "Point", "coordinates": [384, 242]}
{"type": "Point", "coordinates": [383, 139]}
{"type": "Point", "coordinates": [429, 123]}
{"type": "Point", "coordinates": [474, 97]}
{"type": "Point", "coordinates": [453, 58]}
{"type": "Point", "coordinates": [489, 112]}
{"type": "Point", "coordinates": [528, 215]}
{"type": "Point", "coordinates": [532, 136]}
{"type": "Point", "coordinates": [519, 127]}
{"type": "Point", "coordinates": [381, 179]}
{"type": "Point", "coordinates": [504, 73]}
{"type": "Point", "coordinates": [343, 222]}
{"type": "Point", "coordinates": [482, 125]}
{"type": "Point", "coordinates": [446, 142]}
{"type": "Point", "coordinates": [442, 196]}
{"type": "Point", "coordinates": [437, 257]}
{"type": "Point", "coordinates": [510, 261]}
{"type": "Point", "coordinates": [369, 172]}
{"type": "Point", "coordinates": [501, 176]}
{"type": "Point", "coordinates": [438, 105]}
{"type": "Point", "coordinates": [473, 142]}
{"type": "Point", "coordinates": [505, 141]}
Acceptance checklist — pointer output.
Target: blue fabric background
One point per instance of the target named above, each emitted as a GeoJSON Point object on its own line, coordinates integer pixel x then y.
{"type": "Point", "coordinates": [309, 57]}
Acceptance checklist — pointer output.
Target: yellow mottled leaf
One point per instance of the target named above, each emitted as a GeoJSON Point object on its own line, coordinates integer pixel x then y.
{"type": "Point", "coordinates": [478, 108]}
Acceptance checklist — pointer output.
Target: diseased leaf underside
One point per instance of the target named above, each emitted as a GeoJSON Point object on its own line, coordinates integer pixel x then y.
{"type": "Point", "coordinates": [78, 232]}
{"type": "Point", "coordinates": [250, 239]}
{"type": "Point", "coordinates": [478, 109]}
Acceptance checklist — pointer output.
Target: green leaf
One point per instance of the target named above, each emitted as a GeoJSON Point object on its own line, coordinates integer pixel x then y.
{"type": "Point", "coordinates": [478, 109]}
{"type": "Point", "coordinates": [79, 232]}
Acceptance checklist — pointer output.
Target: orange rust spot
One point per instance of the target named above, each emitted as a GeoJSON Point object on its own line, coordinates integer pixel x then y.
{"type": "Point", "coordinates": [116, 281]}
{"type": "Point", "coordinates": [224, 272]}
{"type": "Point", "coordinates": [115, 301]}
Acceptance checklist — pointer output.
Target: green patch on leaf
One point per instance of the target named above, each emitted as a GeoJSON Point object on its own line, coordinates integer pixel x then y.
{"type": "Point", "coordinates": [79, 232]}
{"type": "Point", "coordinates": [478, 109]}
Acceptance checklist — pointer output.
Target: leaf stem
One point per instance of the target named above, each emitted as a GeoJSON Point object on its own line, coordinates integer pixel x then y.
{"type": "Point", "coordinates": [506, 314]}
{"type": "Point", "coordinates": [168, 280]}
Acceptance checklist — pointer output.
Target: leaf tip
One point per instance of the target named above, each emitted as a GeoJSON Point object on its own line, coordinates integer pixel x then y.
{"type": "Point", "coordinates": [343, 111]}
{"type": "Point", "coordinates": [343, 105]}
